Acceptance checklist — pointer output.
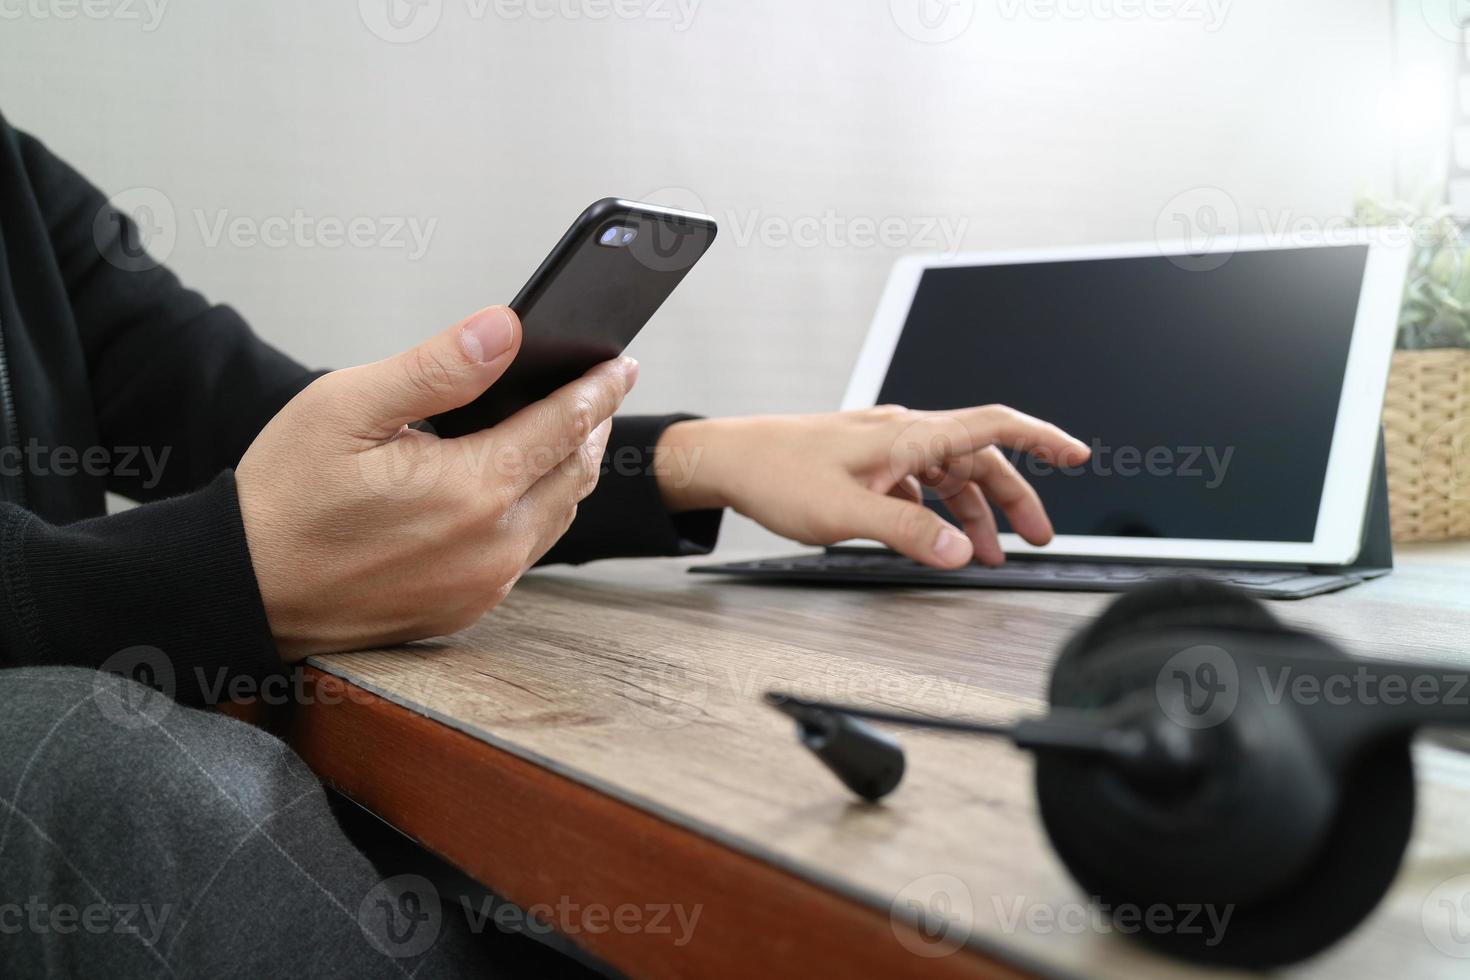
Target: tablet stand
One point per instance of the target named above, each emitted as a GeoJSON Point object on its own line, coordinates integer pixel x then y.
{"type": "Point", "coordinates": [1375, 554]}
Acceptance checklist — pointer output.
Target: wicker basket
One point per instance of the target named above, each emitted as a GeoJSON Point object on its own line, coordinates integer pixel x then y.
{"type": "Point", "coordinates": [1426, 420]}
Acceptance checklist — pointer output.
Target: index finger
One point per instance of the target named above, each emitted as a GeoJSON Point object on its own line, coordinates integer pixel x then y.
{"type": "Point", "coordinates": [1001, 425]}
{"type": "Point", "coordinates": [526, 446]}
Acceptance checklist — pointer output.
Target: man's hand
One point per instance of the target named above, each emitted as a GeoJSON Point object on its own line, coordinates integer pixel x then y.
{"type": "Point", "coordinates": [825, 478]}
{"type": "Point", "coordinates": [366, 532]}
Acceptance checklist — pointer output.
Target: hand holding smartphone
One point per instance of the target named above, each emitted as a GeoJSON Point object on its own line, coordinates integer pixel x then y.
{"type": "Point", "coordinates": [587, 300]}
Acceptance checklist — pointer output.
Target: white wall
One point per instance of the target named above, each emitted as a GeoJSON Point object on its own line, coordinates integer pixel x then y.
{"type": "Point", "coordinates": [1043, 121]}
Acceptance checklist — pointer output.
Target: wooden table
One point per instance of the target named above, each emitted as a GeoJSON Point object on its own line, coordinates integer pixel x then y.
{"type": "Point", "coordinates": [598, 741]}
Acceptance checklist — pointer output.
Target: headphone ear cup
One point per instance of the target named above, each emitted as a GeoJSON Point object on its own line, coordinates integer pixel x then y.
{"type": "Point", "coordinates": [1171, 603]}
{"type": "Point", "coordinates": [1298, 917]}
{"type": "Point", "coordinates": [1325, 902]}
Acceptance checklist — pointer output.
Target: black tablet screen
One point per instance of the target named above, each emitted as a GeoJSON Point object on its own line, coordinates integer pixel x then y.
{"type": "Point", "coordinates": [1209, 396]}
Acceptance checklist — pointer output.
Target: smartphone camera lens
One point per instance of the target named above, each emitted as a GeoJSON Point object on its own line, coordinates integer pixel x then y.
{"type": "Point", "coordinates": [617, 235]}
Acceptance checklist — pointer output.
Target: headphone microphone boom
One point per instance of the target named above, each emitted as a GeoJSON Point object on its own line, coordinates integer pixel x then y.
{"type": "Point", "coordinates": [1199, 752]}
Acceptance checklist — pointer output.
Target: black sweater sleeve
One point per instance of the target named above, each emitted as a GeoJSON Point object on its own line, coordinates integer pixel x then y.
{"type": "Point", "coordinates": [113, 344]}
{"type": "Point", "coordinates": [167, 369]}
{"type": "Point", "coordinates": [148, 363]}
{"type": "Point", "coordinates": [625, 516]}
{"type": "Point", "coordinates": [173, 578]}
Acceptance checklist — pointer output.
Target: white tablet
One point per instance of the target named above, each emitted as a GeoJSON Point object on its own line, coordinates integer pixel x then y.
{"type": "Point", "coordinates": [1232, 397]}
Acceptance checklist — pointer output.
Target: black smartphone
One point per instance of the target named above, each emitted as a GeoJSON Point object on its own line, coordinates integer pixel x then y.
{"type": "Point", "coordinates": [586, 302]}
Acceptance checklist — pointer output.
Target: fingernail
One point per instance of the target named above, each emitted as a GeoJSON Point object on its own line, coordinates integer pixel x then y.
{"type": "Point", "coordinates": [487, 335]}
{"type": "Point", "coordinates": [630, 371]}
{"type": "Point", "coordinates": [952, 547]}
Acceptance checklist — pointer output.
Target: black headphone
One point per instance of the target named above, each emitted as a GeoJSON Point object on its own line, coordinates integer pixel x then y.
{"type": "Point", "coordinates": [1198, 751]}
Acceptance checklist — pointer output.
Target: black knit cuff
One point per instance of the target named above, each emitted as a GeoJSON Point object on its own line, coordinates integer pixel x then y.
{"type": "Point", "coordinates": [174, 575]}
{"type": "Point", "coordinates": [625, 516]}
{"type": "Point", "coordinates": [689, 533]}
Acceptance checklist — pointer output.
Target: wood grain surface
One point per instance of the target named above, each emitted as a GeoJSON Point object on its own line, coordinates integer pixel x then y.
{"type": "Point", "coordinates": [655, 898]}
{"type": "Point", "coordinates": [635, 683]}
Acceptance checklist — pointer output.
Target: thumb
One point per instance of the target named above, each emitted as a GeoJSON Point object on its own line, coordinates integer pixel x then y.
{"type": "Point", "coordinates": [448, 370]}
{"type": "Point", "coordinates": [909, 528]}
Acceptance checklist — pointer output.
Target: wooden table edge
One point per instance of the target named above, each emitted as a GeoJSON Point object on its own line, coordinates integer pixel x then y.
{"type": "Point", "coordinates": [597, 854]}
